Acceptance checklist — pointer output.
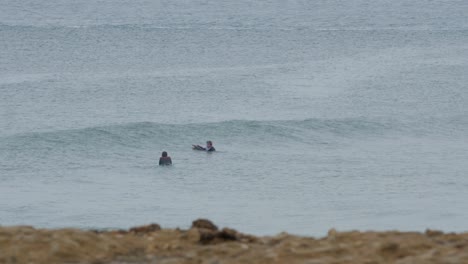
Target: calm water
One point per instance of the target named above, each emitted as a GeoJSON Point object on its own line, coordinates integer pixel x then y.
{"type": "Point", "coordinates": [325, 114]}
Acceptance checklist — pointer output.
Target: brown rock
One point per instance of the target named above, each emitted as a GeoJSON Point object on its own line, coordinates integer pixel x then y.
{"type": "Point", "coordinates": [202, 245]}
{"type": "Point", "coordinates": [433, 233]}
{"type": "Point", "coordinates": [193, 235]}
{"type": "Point", "coordinates": [145, 229]}
{"type": "Point", "coordinates": [207, 235]}
{"type": "Point", "coordinates": [389, 248]}
{"type": "Point", "coordinates": [228, 234]}
{"type": "Point", "coordinates": [204, 223]}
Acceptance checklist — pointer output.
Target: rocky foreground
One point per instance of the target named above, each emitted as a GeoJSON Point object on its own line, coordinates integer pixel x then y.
{"type": "Point", "coordinates": [205, 243]}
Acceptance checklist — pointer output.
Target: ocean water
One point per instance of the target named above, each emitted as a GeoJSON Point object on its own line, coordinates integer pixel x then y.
{"type": "Point", "coordinates": [325, 114]}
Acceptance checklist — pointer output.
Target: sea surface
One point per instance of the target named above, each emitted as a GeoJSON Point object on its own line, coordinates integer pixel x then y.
{"type": "Point", "coordinates": [325, 114]}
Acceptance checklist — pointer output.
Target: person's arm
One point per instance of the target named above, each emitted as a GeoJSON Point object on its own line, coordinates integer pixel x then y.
{"type": "Point", "coordinates": [160, 161]}
{"type": "Point", "coordinates": [170, 161]}
{"type": "Point", "coordinates": [198, 147]}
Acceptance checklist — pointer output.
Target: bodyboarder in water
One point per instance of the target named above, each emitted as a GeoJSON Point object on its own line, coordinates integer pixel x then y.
{"type": "Point", "coordinates": [209, 146]}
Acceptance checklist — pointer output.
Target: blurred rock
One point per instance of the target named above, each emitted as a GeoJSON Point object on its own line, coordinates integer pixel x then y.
{"type": "Point", "coordinates": [204, 223]}
{"type": "Point", "coordinates": [228, 234]}
{"type": "Point", "coordinates": [204, 243]}
{"type": "Point", "coordinates": [433, 233]}
{"type": "Point", "coordinates": [145, 229]}
{"type": "Point", "coordinates": [207, 235]}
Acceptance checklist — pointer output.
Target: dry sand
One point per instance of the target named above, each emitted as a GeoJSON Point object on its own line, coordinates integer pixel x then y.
{"type": "Point", "coordinates": [205, 243]}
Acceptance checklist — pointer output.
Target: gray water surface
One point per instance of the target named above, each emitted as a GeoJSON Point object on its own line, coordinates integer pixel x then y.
{"type": "Point", "coordinates": [350, 115]}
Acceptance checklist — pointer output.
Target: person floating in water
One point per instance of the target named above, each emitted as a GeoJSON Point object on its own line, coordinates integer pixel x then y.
{"type": "Point", "coordinates": [209, 146]}
{"type": "Point", "coordinates": [164, 159]}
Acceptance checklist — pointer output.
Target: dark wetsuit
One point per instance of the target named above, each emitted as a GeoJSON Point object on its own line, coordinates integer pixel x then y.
{"type": "Point", "coordinates": [165, 161]}
{"type": "Point", "coordinates": [211, 149]}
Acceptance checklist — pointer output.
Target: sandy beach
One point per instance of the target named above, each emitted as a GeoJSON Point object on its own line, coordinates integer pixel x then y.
{"type": "Point", "coordinates": [204, 242]}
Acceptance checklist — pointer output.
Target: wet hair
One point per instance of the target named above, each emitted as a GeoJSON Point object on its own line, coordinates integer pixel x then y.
{"type": "Point", "coordinates": [209, 142]}
{"type": "Point", "coordinates": [164, 154]}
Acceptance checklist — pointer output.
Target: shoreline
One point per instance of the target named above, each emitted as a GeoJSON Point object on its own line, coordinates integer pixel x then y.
{"type": "Point", "coordinates": [204, 242]}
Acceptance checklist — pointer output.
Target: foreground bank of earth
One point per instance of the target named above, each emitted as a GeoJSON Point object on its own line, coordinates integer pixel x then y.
{"type": "Point", "coordinates": [205, 243]}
